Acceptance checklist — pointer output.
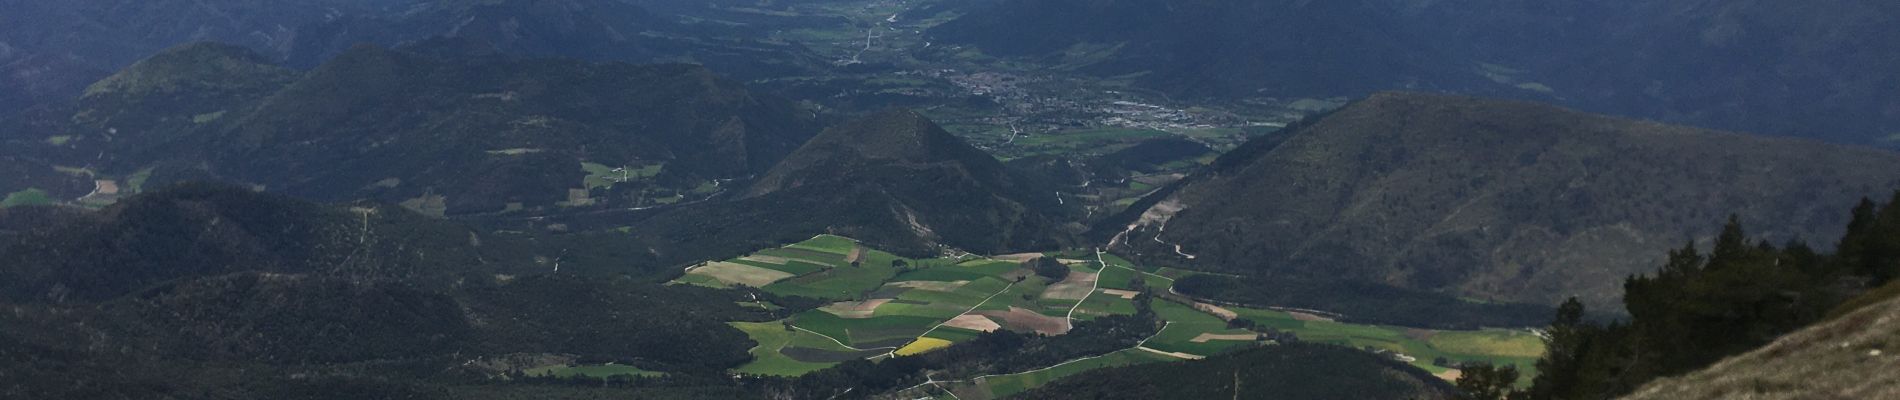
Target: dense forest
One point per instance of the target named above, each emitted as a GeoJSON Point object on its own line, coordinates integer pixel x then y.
{"type": "Point", "coordinates": [1703, 306]}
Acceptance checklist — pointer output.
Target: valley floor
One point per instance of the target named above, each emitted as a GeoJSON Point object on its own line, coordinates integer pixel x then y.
{"type": "Point", "coordinates": [883, 305]}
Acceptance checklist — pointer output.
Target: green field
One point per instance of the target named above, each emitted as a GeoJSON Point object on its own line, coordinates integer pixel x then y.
{"type": "Point", "coordinates": [827, 243]}
{"type": "Point", "coordinates": [29, 197]}
{"type": "Point", "coordinates": [818, 267]}
{"type": "Point", "coordinates": [772, 337]}
{"type": "Point", "coordinates": [1185, 324]}
{"type": "Point", "coordinates": [601, 175]}
{"type": "Point", "coordinates": [1005, 385]}
{"type": "Point", "coordinates": [1100, 304]}
{"type": "Point", "coordinates": [1496, 346]}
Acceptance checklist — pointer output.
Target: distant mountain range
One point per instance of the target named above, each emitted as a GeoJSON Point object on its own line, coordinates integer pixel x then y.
{"type": "Point", "coordinates": [1781, 67]}
{"type": "Point", "coordinates": [453, 133]}
{"type": "Point", "coordinates": [1490, 199]}
{"type": "Point", "coordinates": [50, 51]}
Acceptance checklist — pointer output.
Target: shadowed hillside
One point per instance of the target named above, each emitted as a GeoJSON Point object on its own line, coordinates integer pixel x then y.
{"type": "Point", "coordinates": [894, 179]}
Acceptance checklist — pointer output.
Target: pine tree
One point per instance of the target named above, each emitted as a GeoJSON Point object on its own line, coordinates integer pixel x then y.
{"type": "Point", "coordinates": [1565, 344]}
{"type": "Point", "coordinates": [1489, 382]}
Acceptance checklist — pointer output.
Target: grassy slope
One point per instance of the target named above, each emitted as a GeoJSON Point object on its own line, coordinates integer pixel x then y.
{"type": "Point", "coordinates": [1850, 357]}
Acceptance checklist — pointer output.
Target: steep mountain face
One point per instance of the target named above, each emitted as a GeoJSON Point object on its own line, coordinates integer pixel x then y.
{"type": "Point", "coordinates": [1773, 66]}
{"type": "Point", "coordinates": [894, 179]}
{"type": "Point", "coordinates": [455, 134]}
{"type": "Point", "coordinates": [1290, 371]}
{"type": "Point", "coordinates": [1850, 357]}
{"type": "Point", "coordinates": [1489, 199]}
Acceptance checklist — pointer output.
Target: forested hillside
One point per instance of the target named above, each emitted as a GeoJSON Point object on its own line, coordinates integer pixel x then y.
{"type": "Point", "coordinates": [204, 291]}
{"type": "Point", "coordinates": [1486, 199]}
{"type": "Point", "coordinates": [894, 178]}
{"type": "Point", "coordinates": [450, 134]}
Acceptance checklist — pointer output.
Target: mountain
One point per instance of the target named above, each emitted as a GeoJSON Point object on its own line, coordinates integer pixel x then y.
{"type": "Point", "coordinates": [1488, 199]}
{"type": "Point", "coordinates": [1288, 371]}
{"type": "Point", "coordinates": [894, 179]}
{"type": "Point", "coordinates": [58, 254]}
{"type": "Point", "coordinates": [50, 51]}
{"type": "Point", "coordinates": [1771, 66]}
{"type": "Point", "coordinates": [450, 133]}
{"type": "Point", "coordinates": [1781, 67]}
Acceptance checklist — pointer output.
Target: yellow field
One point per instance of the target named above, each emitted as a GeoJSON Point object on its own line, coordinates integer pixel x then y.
{"type": "Point", "coordinates": [923, 345]}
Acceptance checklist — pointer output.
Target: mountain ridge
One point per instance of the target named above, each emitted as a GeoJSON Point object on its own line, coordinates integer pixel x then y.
{"type": "Point", "coordinates": [1468, 180]}
{"type": "Point", "coordinates": [894, 179]}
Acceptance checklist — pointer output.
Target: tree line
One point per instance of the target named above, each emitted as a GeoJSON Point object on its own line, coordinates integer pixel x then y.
{"type": "Point", "coordinates": [1701, 307]}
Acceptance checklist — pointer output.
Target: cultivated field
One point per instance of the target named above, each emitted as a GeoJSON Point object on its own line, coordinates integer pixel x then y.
{"type": "Point", "coordinates": [884, 306]}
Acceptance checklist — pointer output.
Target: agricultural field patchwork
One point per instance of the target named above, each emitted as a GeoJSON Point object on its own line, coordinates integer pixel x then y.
{"type": "Point", "coordinates": [882, 305]}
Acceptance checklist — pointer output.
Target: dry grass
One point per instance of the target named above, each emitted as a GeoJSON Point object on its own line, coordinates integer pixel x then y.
{"type": "Point", "coordinates": [935, 286]}
{"type": "Point", "coordinates": [1852, 357]}
{"type": "Point", "coordinates": [973, 322]}
{"type": "Point", "coordinates": [1180, 355]}
{"type": "Point", "coordinates": [1076, 287]}
{"type": "Point", "coordinates": [1022, 319]}
{"type": "Point", "coordinates": [1218, 311]}
{"type": "Point", "coordinates": [854, 309]}
{"type": "Point", "coordinates": [1239, 337]}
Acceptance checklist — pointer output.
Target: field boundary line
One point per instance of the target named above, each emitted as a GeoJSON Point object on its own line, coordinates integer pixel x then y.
{"type": "Point", "coordinates": [979, 304]}
{"type": "Point", "coordinates": [1164, 326]}
{"type": "Point", "coordinates": [839, 342]}
{"type": "Point", "coordinates": [1069, 320]}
